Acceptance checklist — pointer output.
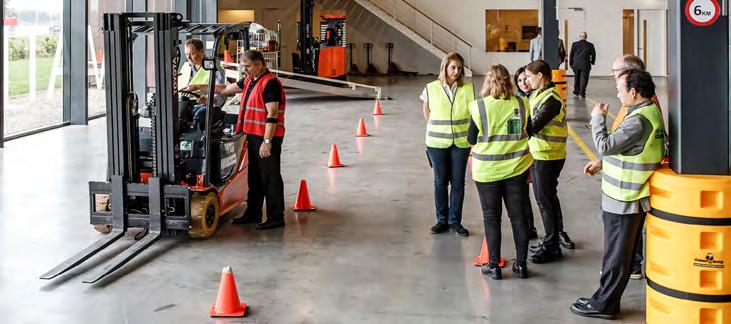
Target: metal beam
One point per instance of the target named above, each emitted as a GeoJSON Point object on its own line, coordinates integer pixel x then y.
{"type": "Point", "coordinates": [698, 85]}
{"type": "Point", "coordinates": [549, 23]}
{"type": "Point", "coordinates": [75, 62]}
{"type": "Point", "coordinates": [139, 54]}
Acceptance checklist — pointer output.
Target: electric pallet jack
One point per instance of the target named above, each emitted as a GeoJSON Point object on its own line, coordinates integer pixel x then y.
{"type": "Point", "coordinates": [180, 174]}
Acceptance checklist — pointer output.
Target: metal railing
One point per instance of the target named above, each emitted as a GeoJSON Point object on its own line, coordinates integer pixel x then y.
{"type": "Point", "coordinates": [427, 27]}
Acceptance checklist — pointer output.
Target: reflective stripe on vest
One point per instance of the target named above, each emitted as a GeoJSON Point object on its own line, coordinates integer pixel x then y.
{"type": "Point", "coordinates": [499, 155]}
{"type": "Point", "coordinates": [448, 120]}
{"type": "Point", "coordinates": [253, 119]}
{"type": "Point", "coordinates": [626, 178]}
{"type": "Point", "coordinates": [550, 142]}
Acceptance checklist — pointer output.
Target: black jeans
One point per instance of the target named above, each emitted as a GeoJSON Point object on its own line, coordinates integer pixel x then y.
{"type": "Point", "coordinates": [620, 238]}
{"type": "Point", "coordinates": [265, 180]}
{"type": "Point", "coordinates": [449, 165]}
{"type": "Point", "coordinates": [513, 191]}
{"type": "Point", "coordinates": [545, 186]}
{"type": "Point", "coordinates": [581, 79]}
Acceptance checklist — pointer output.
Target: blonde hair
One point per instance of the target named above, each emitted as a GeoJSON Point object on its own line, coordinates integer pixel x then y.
{"type": "Point", "coordinates": [497, 83]}
{"type": "Point", "coordinates": [445, 63]}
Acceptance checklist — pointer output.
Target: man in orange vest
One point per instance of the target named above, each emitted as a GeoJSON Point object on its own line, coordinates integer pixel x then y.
{"type": "Point", "coordinates": [261, 117]}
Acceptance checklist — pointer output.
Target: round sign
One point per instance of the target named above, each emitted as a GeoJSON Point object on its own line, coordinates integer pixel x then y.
{"type": "Point", "coordinates": [702, 12]}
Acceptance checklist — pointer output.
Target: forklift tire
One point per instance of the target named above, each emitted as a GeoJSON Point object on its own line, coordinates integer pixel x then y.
{"type": "Point", "coordinates": [203, 215]}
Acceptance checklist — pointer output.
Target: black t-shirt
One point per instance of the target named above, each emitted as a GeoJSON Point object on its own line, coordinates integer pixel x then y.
{"type": "Point", "coordinates": [272, 91]}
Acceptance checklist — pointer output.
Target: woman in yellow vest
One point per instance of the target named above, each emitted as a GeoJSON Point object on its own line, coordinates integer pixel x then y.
{"type": "Point", "coordinates": [548, 147]}
{"type": "Point", "coordinates": [445, 109]}
{"type": "Point", "coordinates": [500, 163]}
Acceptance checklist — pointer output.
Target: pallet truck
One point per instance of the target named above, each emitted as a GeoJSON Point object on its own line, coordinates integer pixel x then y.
{"type": "Point", "coordinates": [371, 69]}
{"type": "Point", "coordinates": [353, 68]}
{"type": "Point", "coordinates": [393, 68]}
{"type": "Point", "coordinates": [177, 175]}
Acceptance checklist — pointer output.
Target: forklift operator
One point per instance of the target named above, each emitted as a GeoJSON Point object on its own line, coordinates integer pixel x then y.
{"type": "Point", "coordinates": [261, 117]}
{"type": "Point", "coordinates": [193, 77]}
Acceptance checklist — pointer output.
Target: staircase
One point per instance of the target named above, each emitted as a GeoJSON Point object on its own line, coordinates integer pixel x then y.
{"type": "Point", "coordinates": [421, 28]}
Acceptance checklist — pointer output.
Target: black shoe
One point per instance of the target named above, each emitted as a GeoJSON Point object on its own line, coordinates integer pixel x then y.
{"type": "Point", "coordinates": [535, 248]}
{"type": "Point", "coordinates": [269, 225]}
{"type": "Point", "coordinates": [575, 93]}
{"type": "Point", "coordinates": [520, 270]}
{"type": "Point", "coordinates": [546, 254]}
{"type": "Point", "coordinates": [583, 96]}
{"type": "Point", "coordinates": [587, 310]}
{"type": "Point", "coordinates": [459, 229]}
{"type": "Point", "coordinates": [582, 301]}
{"type": "Point", "coordinates": [492, 271]}
{"type": "Point", "coordinates": [533, 234]}
{"type": "Point", "coordinates": [439, 228]}
{"type": "Point", "coordinates": [246, 220]}
{"type": "Point", "coordinates": [636, 273]}
{"type": "Point", "coordinates": [565, 241]}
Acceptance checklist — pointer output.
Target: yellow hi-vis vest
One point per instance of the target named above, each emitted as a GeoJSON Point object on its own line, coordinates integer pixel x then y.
{"type": "Point", "coordinates": [625, 177]}
{"type": "Point", "coordinates": [500, 152]}
{"type": "Point", "coordinates": [448, 120]}
{"type": "Point", "coordinates": [550, 142]}
{"type": "Point", "coordinates": [200, 77]}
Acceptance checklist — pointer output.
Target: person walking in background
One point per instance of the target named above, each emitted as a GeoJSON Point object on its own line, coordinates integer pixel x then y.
{"type": "Point", "coordinates": [446, 111]}
{"type": "Point", "coordinates": [536, 46]}
{"type": "Point", "coordinates": [581, 57]}
{"type": "Point", "coordinates": [524, 90]}
{"type": "Point", "coordinates": [500, 163]}
{"type": "Point", "coordinates": [548, 147]}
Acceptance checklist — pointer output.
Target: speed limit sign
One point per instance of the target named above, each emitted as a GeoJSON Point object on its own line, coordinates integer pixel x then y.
{"type": "Point", "coordinates": [702, 12]}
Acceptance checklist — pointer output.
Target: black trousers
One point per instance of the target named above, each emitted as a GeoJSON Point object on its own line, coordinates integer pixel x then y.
{"type": "Point", "coordinates": [620, 238]}
{"type": "Point", "coordinates": [265, 180]}
{"type": "Point", "coordinates": [529, 212]}
{"type": "Point", "coordinates": [513, 191]}
{"type": "Point", "coordinates": [545, 186]}
{"type": "Point", "coordinates": [581, 79]}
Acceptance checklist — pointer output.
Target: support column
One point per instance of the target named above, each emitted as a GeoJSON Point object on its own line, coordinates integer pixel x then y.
{"type": "Point", "coordinates": [549, 23]}
{"type": "Point", "coordinates": [698, 88]}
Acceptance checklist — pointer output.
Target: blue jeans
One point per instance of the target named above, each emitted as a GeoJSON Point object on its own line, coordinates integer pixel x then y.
{"type": "Point", "coordinates": [449, 167]}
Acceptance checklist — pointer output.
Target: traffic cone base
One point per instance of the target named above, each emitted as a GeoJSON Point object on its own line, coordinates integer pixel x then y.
{"type": "Point", "coordinates": [377, 108]}
{"type": "Point", "coordinates": [484, 257]}
{"type": "Point", "coordinates": [361, 131]}
{"type": "Point", "coordinates": [303, 198]}
{"type": "Point", "coordinates": [334, 160]}
{"type": "Point", "coordinates": [227, 303]}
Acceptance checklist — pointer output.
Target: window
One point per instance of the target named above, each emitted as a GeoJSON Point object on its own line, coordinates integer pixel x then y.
{"type": "Point", "coordinates": [510, 30]}
{"type": "Point", "coordinates": [33, 74]}
{"type": "Point", "coordinates": [97, 52]}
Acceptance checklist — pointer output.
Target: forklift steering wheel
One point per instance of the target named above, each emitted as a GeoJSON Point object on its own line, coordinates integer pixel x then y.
{"type": "Point", "coordinates": [189, 94]}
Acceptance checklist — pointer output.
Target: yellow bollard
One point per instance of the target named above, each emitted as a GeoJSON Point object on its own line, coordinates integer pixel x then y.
{"type": "Point", "coordinates": [559, 78]}
{"type": "Point", "coordinates": [689, 249]}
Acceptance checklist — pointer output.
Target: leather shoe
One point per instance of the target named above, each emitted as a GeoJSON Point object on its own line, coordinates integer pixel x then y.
{"type": "Point", "coordinates": [582, 301]}
{"type": "Point", "coordinates": [533, 234]}
{"type": "Point", "coordinates": [546, 254]}
{"type": "Point", "coordinates": [246, 220]}
{"type": "Point", "coordinates": [269, 225]}
{"type": "Point", "coordinates": [459, 229]}
{"type": "Point", "coordinates": [439, 228]}
{"type": "Point", "coordinates": [535, 248]}
{"type": "Point", "coordinates": [520, 270]}
{"type": "Point", "coordinates": [587, 310]}
{"type": "Point", "coordinates": [492, 271]}
{"type": "Point", "coordinates": [565, 241]}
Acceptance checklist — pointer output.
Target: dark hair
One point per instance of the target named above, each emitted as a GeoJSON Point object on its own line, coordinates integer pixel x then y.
{"type": "Point", "coordinates": [196, 43]}
{"type": "Point", "coordinates": [517, 74]}
{"type": "Point", "coordinates": [641, 81]}
{"type": "Point", "coordinates": [539, 30]}
{"type": "Point", "coordinates": [633, 62]}
{"type": "Point", "coordinates": [540, 66]}
{"type": "Point", "coordinates": [254, 55]}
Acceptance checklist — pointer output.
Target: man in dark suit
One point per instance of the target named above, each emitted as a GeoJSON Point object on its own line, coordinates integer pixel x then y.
{"type": "Point", "coordinates": [581, 58]}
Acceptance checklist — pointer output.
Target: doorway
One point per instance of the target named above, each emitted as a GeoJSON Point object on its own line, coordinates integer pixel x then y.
{"type": "Point", "coordinates": [572, 21]}
{"type": "Point", "coordinates": [644, 33]}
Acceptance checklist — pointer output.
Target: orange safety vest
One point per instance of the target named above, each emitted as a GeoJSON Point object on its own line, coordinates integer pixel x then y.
{"type": "Point", "coordinates": [253, 112]}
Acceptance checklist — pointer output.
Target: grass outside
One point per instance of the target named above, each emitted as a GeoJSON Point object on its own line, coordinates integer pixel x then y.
{"type": "Point", "coordinates": [19, 75]}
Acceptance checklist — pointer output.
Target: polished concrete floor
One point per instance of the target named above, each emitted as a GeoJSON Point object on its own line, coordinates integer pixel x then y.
{"type": "Point", "coordinates": [365, 256]}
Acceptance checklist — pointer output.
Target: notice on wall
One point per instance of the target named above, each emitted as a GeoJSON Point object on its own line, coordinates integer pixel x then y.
{"type": "Point", "coordinates": [702, 12]}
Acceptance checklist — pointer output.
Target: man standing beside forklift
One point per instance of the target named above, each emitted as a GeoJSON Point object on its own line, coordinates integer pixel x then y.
{"type": "Point", "coordinates": [261, 117]}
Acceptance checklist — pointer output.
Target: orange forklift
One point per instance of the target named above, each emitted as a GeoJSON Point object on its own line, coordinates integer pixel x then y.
{"type": "Point", "coordinates": [168, 171]}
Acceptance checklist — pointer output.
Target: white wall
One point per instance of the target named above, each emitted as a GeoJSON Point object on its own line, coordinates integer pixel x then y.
{"type": "Point", "coordinates": [467, 19]}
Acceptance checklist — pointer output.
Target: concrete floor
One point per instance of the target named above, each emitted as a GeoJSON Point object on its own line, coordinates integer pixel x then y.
{"type": "Point", "coordinates": [365, 256]}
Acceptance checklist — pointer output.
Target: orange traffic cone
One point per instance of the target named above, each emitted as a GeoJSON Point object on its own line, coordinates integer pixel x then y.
{"type": "Point", "coordinates": [228, 303]}
{"type": "Point", "coordinates": [227, 56]}
{"type": "Point", "coordinates": [361, 131]}
{"type": "Point", "coordinates": [303, 198]}
{"type": "Point", "coordinates": [377, 108]}
{"type": "Point", "coordinates": [484, 257]}
{"type": "Point", "coordinates": [334, 160]}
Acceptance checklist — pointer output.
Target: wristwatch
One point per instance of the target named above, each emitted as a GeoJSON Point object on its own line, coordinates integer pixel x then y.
{"type": "Point", "coordinates": [267, 141]}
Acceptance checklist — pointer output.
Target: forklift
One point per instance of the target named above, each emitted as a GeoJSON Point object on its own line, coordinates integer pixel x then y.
{"type": "Point", "coordinates": [324, 57]}
{"type": "Point", "coordinates": [168, 173]}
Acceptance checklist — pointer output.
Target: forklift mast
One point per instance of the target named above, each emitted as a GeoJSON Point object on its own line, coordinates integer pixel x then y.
{"type": "Point", "coordinates": [305, 37]}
